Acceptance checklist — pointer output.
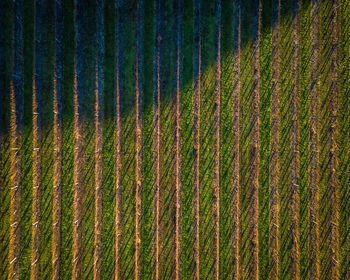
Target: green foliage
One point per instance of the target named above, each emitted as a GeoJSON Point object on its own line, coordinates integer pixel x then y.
{"type": "Point", "coordinates": [207, 151]}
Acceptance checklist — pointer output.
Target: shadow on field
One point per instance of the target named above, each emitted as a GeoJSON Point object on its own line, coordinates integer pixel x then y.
{"type": "Point", "coordinates": [128, 49]}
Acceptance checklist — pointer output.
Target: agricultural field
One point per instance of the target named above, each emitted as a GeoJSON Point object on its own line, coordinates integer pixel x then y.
{"type": "Point", "coordinates": [175, 139]}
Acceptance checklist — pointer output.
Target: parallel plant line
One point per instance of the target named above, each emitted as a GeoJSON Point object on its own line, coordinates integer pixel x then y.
{"type": "Point", "coordinates": [157, 136]}
{"type": "Point", "coordinates": [217, 142]}
{"type": "Point", "coordinates": [274, 163]}
{"type": "Point", "coordinates": [78, 172]}
{"type": "Point", "coordinates": [254, 148]}
{"type": "Point", "coordinates": [2, 137]}
{"type": "Point", "coordinates": [138, 140]}
{"type": "Point", "coordinates": [332, 141]}
{"type": "Point", "coordinates": [16, 142]}
{"type": "Point", "coordinates": [99, 86]}
{"type": "Point", "coordinates": [294, 134]}
{"type": "Point", "coordinates": [347, 9]}
{"type": "Point", "coordinates": [344, 136]}
{"type": "Point", "coordinates": [118, 141]}
{"type": "Point", "coordinates": [58, 145]}
{"type": "Point", "coordinates": [196, 133]}
{"type": "Point", "coordinates": [2, 78]}
{"type": "Point", "coordinates": [236, 139]}
{"type": "Point", "coordinates": [313, 207]}
{"type": "Point", "coordinates": [177, 135]}
{"type": "Point", "coordinates": [36, 111]}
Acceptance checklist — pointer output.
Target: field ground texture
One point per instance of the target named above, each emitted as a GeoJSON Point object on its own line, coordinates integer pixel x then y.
{"type": "Point", "coordinates": [188, 139]}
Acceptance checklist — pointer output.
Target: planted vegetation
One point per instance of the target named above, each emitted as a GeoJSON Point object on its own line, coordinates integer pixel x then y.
{"type": "Point", "coordinates": [182, 139]}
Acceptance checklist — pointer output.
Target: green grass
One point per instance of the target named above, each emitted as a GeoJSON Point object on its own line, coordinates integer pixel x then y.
{"type": "Point", "coordinates": [206, 158]}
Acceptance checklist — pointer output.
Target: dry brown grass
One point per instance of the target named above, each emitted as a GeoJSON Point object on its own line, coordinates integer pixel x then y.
{"type": "Point", "coordinates": [118, 149]}
{"type": "Point", "coordinates": [16, 183]}
{"type": "Point", "coordinates": [98, 185]}
{"type": "Point", "coordinates": [254, 148]}
{"type": "Point", "coordinates": [16, 116]}
{"type": "Point", "coordinates": [138, 142]}
{"type": "Point", "coordinates": [332, 139]}
{"type": "Point", "coordinates": [78, 186]}
{"type": "Point", "coordinates": [36, 123]}
{"type": "Point", "coordinates": [58, 145]}
{"type": "Point", "coordinates": [57, 186]}
{"type": "Point", "coordinates": [36, 209]}
{"type": "Point", "coordinates": [99, 86]}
